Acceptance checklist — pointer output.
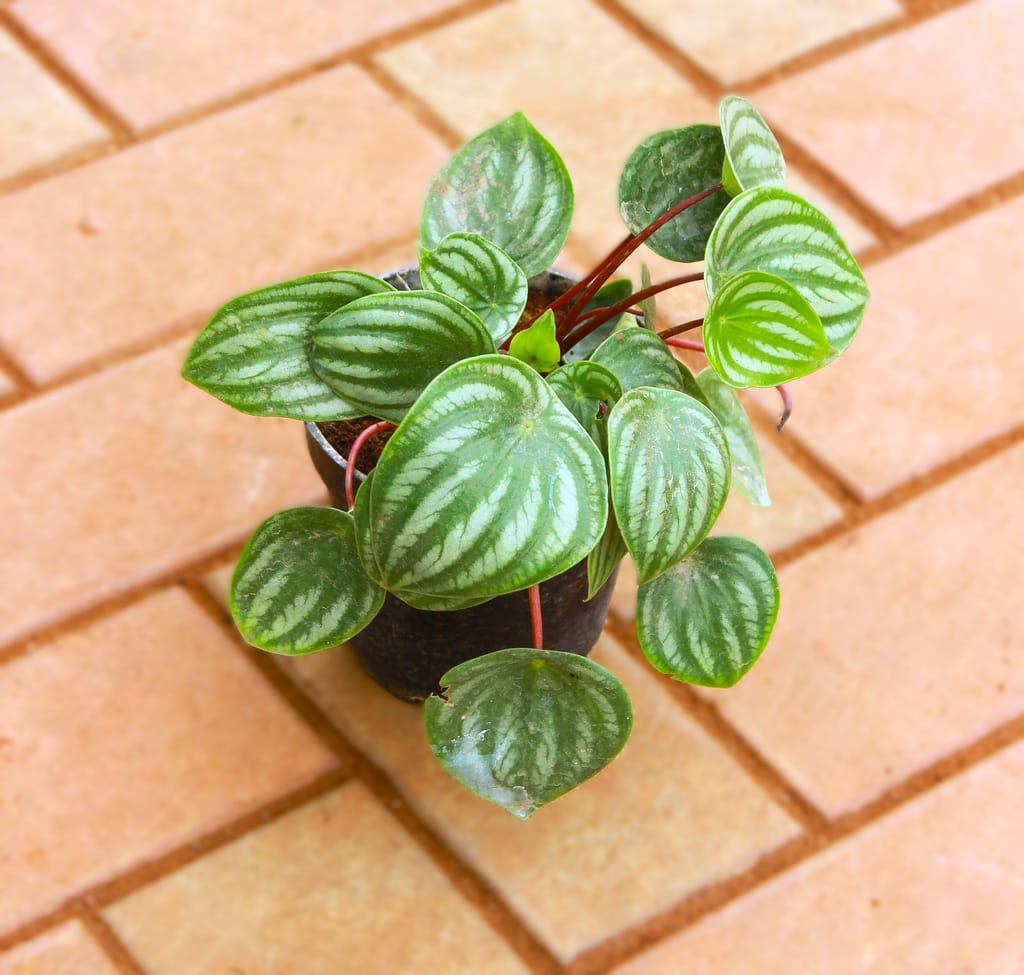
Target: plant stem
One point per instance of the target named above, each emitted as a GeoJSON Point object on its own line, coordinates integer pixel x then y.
{"type": "Point", "coordinates": [787, 405]}
{"type": "Point", "coordinates": [684, 327]}
{"type": "Point", "coordinates": [353, 456]}
{"type": "Point", "coordinates": [536, 620]}
{"type": "Point", "coordinates": [685, 344]}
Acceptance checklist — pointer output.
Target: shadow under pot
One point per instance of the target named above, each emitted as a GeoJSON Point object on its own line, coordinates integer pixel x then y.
{"type": "Point", "coordinates": [406, 650]}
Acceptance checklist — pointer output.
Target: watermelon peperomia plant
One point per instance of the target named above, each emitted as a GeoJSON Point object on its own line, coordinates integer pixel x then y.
{"type": "Point", "coordinates": [525, 443]}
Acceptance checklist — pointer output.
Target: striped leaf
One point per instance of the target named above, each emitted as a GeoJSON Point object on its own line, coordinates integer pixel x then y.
{"type": "Point", "coordinates": [488, 486]}
{"type": "Point", "coordinates": [752, 153]}
{"type": "Point", "coordinates": [480, 275]}
{"type": "Point", "coordinates": [299, 586]}
{"type": "Point", "coordinates": [522, 727]}
{"type": "Point", "coordinates": [509, 185]}
{"type": "Point", "coordinates": [665, 169]}
{"type": "Point", "coordinates": [747, 470]}
{"type": "Point", "coordinates": [774, 230]}
{"type": "Point", "coordinates": [637, 357]}
{"type": "Point", "coordinates": [382, 351]}
{"type": "Point", "coordinates": [707, 619]}
{"type": "Point", "coordinates": [669, 475]}
{"type": "Point", "coordinates": [588, 391]}
{"type": "Point", "coordinates": [760, 331]}
{"type": "Point", "coordinates": [605, 556]}
{"type": "Point", "coordinates": [609, 294]}
{"type": "Point", "coordinates": [254, 353]}
{"type": "Point", "coordinates": [537, 345]}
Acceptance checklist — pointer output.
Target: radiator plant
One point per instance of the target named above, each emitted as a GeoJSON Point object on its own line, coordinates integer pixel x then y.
{"type": "Point", "coordinates": [522, 446]}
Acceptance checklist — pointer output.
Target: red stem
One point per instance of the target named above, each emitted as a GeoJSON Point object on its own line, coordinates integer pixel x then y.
{"type": "Point", "coordinates": [536, 621]}
{"type": "Point", "coordinates": [685, 344]}
{"type": "Point", "coordinates": [353, 456]}
{"type": "Point", "coordinates": [683, 327]}
{"type": "Point", "coordinates": [787, 405]}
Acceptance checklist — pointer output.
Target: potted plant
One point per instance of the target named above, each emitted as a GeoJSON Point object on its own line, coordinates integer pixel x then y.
{"type": "Point", "coordinates": [528, 431]}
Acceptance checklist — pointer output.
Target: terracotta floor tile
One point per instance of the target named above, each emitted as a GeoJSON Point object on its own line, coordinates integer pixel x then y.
{"type": "Point", "coordinates": [895, 644]}
{"type": "Point", "coordinates": [67, 950]}
{"type": "Point", "coordinates": [162, 233]}
{"type": "Point", "coordinates": [40, 120]}
{"type": "Point", "coordinates": [935, 368]}
{"type": "Point", "coordinates": [155, 60]}
{"type": "Point", "coordinates": [799, 508]}
{"type": "Point", "coordinates": [114, 480]}
{"type": "Point", "coordinates": [933, 887]}
{"type": "Point", "coordinates": [909, 131]}
{"type": "Point", "coordinates": [129, 738]}
{"type": "Point", "coordinates": [739, 39]}
{"type": "Point", "coordinates": [672, 813]}
{"type": "Point", "coordinates": [6, 384]}
{"type": "Point", "coordinates": [335, 886]}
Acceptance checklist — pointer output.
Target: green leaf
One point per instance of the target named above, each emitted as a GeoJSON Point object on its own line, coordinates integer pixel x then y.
{"type": "Point", "coordinates": [607, 295]}
{"type": "Point", "coordinates": [665, 169]}
{"type": "Point", "coordinates": [690, 386]}
{"type": "Point", "coordinates": [759, 331]}
{"type": "Point", "coordinates": [537, 345]}
{"type": "Point", "coordinates": [488, 486]}
{"type": "Point", "coordinates": [752, 154]}
{"type": "Point", "coordinates": [747, 469]}
{"type": "Point", "coordinates": [299, 585]}
{"type": "Point", "coordinates": [254, 353]}
{"type": "Point", "coordinates": [382, 351]}
{"type": "Point", "coordinates": [588, 391]}
{"type": "Point", "coordinates": [522, 727]}
{"type": "Point", "coordinates": [638, 357]}
{"type": "Point", "coordinates": [707, 619]}
{"type": "Point", "coordinates": [649, 306]}
{"type": "Point", "coordinates": [669, 475]}
{"type": "Point", "coordinates": [480, 275]}
{"type": "Point", "coordinates": [605, 556]}
{"type": "Point", "coordinates": [770, 229]}
{"type": "Point", "coordinates": [509, 185]}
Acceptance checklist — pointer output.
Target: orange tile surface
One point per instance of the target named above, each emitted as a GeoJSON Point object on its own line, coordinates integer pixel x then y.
{"type": "Point", "coordinates": [128, 739]}
{"type": "Point", "coordinates": [67, 950]}
{"type": "Point", "coordinates": [335, 886]}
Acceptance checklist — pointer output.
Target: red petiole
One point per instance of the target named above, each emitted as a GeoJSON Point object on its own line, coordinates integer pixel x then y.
{"type": "Point", "coordinates": [536, 620]}
{"type": "Point", "coordinates": [353, 456]}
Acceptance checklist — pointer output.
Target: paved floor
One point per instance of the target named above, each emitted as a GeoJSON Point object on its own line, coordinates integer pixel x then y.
{"type": "Point", "coordinates": [171, 802]}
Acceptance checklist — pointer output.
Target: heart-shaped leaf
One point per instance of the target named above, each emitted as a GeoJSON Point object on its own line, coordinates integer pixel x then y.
{"type": "Point", "coordinates": [665, 169]}
{"type": "Point", "coordinates": [522, 727]}
{"type": "Point", "coordinates": [537, 345]}
{"type": "Point", "coordinates": [588, 391]}
{"type": "Point", "coordinates": [773, 230]}
{"type": "Point", "coordinates": [382, 351]}
{"type": "Point", "coordinates": [254, 353]}
{"type": "Point", "coordinates": [760, 331]}
{"type": "Point", "coordinates": [637, 357]}
{"type": "Point", "coordinates": [747, 469]}
{"type": "Point", "coordinates": [605, 556]}
{"type": "Point", "coordinates": [669, 475]}
{"type": "Point", "coordinates": [708, 618]}
{"type": "Point", "coordinates": [607, 295]}
{"type": "Point", "coordinates": [299, 585]}
{"type": "Point", "coordinates": [480, 275]}
{"type": "Point", "coordinates": [488, 486]}
{"type": "Point", "coordinates": [752, 153]}
{"type": "Point", "coordinates": [509, 185]}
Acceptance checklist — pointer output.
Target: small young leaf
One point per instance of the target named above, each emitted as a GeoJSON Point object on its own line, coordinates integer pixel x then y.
{"type": "Point", "coordinates": [708, 618]}
{"type": "Point", "coordinates": [488, 486]}
{"type": "Point", "coordinates": [537, 345]}
{"type": "Point", "coordinates": [605, 556]}
{"type": "Point", "coordinates": [609, 294]}
{"type": "Point", "coordinates": [669, 475]}
{"type": "Point", "coordinates": [752, 154]}
{"type": "Point", "coordinates": [770, 229]}
{"type": "Point", "coordinates": [747, 469]}
{"type": "Point", "coordinates": [522, 727]}
{"type": "Point", "coordinates": [299, 586]}
{"type": "Point", "coordinates": [382, 351]}
{"type": "Point", "coordinates": [637, 357]}
{"type": "Point", "coordinates": [649, 306]}
{"type": "Point", "coordinates": [588, 391]}
{"type": "Point", "coordinates": [254, 353]}
{"type": "Point", "coordinates": [480, 275]}
{"type": "Point", "coordinates": [665, 169]}
{"type": "Point", "coordinates": [760, 331]}
{"type": "Point", "coordinates": [509, 185]}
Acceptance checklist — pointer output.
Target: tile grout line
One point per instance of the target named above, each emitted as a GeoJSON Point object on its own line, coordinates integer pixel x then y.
{"type": "Point", "coordinates": [114, 948]}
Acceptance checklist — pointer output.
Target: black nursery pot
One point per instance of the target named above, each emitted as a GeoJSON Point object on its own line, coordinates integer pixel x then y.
{"type": "Point", "coordinates": [407, 650]}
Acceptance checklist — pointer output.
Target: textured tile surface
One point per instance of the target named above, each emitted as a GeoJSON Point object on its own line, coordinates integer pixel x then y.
{"type": "Point", "coordinates": [670, 814]}
{"type": "Point", "coordinates": [40, 120]}
{"type": "Point", "coordinates": [164, 232]}
{"type": "Point", "coordinates": [870, 904]}
{"type": "Point", "coordinates": [911, 131]}
{"type": "Point", "coordinates": [67, 950]}
{"type": "Point", "coordinates": [155, 60]}
{"type": "Point", "coordinates": [129, 738]}
{"type": "Point", "coordinates": [745, 37]}
{"type": "Point", "coordinates": [112, 481]}
{"type": "Point", "coordinates": [333, 886]}
{"type": "Point", "coordinates": [934, 369]}
{"type": "Point", "coordinates": [912, 614]}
